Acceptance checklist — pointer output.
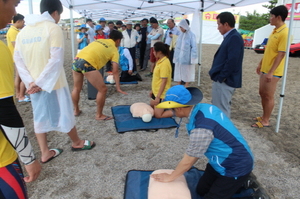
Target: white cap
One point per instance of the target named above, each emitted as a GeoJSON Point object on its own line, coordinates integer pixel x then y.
{"type": "Point", "coordinates": [129, 22]}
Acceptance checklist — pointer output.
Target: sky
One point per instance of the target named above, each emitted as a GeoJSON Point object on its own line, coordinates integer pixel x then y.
{"type": "Point", "coordinates": [23, 9]}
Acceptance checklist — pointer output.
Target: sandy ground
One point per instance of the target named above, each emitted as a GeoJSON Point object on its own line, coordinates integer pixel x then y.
{"type": "Point", "coordinates": [100, 173]}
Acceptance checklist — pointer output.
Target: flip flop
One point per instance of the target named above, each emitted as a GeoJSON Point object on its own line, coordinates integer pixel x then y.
{"type": "Point", "coordinates": [106, 118]}
{"type": "Point", "coordinates": [57, 152]}
{"type": "Point", "coordinates": [26, 99]}
{"type": "Point", "coordinates": [258, 119]}
{"type": "Point", "coordinates": [259, 125]}
{"type": "Point", "coordinates": [86, 146]}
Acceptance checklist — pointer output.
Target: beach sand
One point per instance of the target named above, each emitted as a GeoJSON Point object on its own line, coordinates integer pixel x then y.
{"type": "Point", "coordinates": [100, 173]}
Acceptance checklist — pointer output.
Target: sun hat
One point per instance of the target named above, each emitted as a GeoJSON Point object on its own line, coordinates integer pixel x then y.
{"type": "Point", "coordinates": [102, 19]}
{"type": "Point", "coordinates": [98, 27]}
{"type": "Point", "coordinates": [83, 26]}
{"type": "Point", "coordinates": [129, 23]}
{"type": "Point", "coordinates": [179, 96]}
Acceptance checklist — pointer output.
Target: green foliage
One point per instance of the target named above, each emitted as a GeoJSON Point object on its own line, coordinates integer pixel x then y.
{"type": "Point", "coordinates": [271, 5]}
{"type": "Point", "coordinates": [253, 21]}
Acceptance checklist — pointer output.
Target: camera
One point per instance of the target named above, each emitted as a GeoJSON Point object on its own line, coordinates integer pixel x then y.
{"type": "Point", "coordinates": [170, 33]}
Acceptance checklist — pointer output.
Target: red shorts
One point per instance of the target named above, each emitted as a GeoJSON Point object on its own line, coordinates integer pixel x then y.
{"type": "Point", "coordinates": [152, 57]}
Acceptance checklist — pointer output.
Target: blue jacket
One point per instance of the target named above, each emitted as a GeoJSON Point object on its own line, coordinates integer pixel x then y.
{"type": "Point", "coordinates": [123, 61]}
{"type": "Point", "coordinates": [227, 64]}
{"type": "Point", "coordinates": [228, 153]}
{"type": "Point", "coordinates": [84, 42]}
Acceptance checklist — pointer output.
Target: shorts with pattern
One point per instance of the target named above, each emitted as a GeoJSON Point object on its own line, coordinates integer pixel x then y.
{"type": "Point", "coordinates": [82, 66]}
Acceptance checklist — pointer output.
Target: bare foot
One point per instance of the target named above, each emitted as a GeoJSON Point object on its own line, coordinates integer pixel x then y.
{"type": "Point", "coordinates": [260, 124]}
{"type": "Point", "coordinates": [47, 156]}
{"type": "Point", "coordinates": [258, 119]}
{"type": "Point", "coordinates": [103, 118]}
{"type": "Point", "coordinates": [80, 145]}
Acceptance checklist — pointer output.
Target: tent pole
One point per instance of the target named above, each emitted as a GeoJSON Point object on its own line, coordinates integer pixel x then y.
{"type": "Point", "coordinates": [30, 6]}
{"type": "Point", "coordinates": [200, 42]}
{"type": "Point", "coordinates": [285, 67]}
{"type": "Point", "coordinates": [72, 29]}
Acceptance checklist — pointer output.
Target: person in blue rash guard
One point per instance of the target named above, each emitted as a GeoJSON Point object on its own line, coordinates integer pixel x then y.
{"type": "Point", "coordinates": [126, 65]}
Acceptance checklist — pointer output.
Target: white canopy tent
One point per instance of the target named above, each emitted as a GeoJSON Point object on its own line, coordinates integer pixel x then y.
{"type": "Point", "coordinates": [139, 9]}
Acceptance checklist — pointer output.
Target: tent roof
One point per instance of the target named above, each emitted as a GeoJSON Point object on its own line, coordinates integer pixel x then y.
{"type": "Point", "coordinates": [139, 9]}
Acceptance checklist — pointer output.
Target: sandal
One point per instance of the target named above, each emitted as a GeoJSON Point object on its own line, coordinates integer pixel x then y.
{"type": "Point", "coordinates": [86, 146]}
{"type": "Point", "coordinates": [258, 119]}
{"type": "Point", "coordinates": [259, 125]}
{"type": "Point", "coordinates": [57, 152]}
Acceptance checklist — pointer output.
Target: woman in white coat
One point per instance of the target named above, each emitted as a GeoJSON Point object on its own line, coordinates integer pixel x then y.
{"type": "Point", "coordinates": [185, 55]}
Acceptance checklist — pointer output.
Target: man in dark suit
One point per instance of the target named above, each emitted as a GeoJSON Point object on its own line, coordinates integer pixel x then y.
{"type": "Point", "coordinates": [226, 70]}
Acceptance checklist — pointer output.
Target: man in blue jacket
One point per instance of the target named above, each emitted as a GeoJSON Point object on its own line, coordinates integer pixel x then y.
{"type": "Point", "coordinates": [226, 70]}
{"type": "Point", "coordinates": [213, 135]}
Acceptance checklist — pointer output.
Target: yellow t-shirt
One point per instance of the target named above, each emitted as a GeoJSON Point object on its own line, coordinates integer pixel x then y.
{"type": "Point", "coordinates": [7, 72]}
{"type": "Point", "coordinates": [11, 36]}
{"type": "Point", "coordinates": [99, 52]}
{"type": "Point", "coordinates": [162, 69]}
{"type": "Point", "coordinates": [277, 42]}
{"type": "Point", "coordinates": [7, 153]}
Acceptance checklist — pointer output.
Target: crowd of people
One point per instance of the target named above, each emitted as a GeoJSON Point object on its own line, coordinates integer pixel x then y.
{"type": "Point", "coordinates": [38, 56]}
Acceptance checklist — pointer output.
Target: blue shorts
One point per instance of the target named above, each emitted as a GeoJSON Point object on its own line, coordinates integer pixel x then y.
{"type": "Point", "coordinates": [273, 75]}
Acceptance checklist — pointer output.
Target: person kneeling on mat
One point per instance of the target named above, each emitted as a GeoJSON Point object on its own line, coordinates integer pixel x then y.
{"type": "Point", "coordinates": [211, 134]}
{"type": "Point", "coordinates": [126, 65]}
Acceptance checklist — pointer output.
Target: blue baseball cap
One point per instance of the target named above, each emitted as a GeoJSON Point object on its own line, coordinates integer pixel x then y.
{"type": "Point", "coordinates": [179, 96]}
{"type": "Point", "coordinates": [83, 26]}
{"type": "Point", "coordinates": [98, 27]}
{"type": "Point", "coordinates": [102, 19]}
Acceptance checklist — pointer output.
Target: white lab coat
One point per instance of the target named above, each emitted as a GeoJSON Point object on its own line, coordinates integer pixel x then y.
{"type": "Point", "coordinates": [185, 55]}
{"type": "Point", "coordinates": [130, 42]}
{"type": "Point", "coordinates": [39, 58]}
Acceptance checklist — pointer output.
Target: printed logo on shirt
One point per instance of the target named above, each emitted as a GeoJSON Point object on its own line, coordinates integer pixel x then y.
{"type": "Point", "coordinates": [106, 46]}
{"type": "Point", "coordinates": [32, 40]}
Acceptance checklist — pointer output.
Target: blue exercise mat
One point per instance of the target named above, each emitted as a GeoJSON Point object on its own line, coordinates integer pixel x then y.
{"type": "Point", "coordinates": [137, 182]}
{"type": "Point", "coordinates": [125, 122]}
{"type": "Point", "coordinates": [133, 82]}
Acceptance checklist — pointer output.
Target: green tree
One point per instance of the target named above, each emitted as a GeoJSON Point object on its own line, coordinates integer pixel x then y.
{"type": "Point", "coordinates": [253, 21]}
{"type": "Point", "coordinates": [271, 5]}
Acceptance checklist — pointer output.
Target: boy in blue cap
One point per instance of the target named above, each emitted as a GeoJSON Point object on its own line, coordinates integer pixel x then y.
{"type": "Point", "coordinates": [213, 135]}
{"type": "Point", "coordinates": [102, 22]}
{"type": "Point", "coordinates": [82, 38]}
